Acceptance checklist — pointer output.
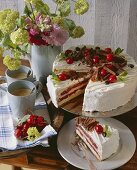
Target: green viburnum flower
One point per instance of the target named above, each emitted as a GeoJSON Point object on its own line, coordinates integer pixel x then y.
{"type": "Point", "coordinates": [1, 52]}
{"type": "Point", "coordinates": [19, 37]}
{"type": "Point", "coordinates": [64, 9]}
{"type": "Point", "coordinates": [33, 133]}
{"type": "Point", "coordinates": [59, 1]}
{"type": "Point", "coordinates": [77, 32]}
{"type": "Point", "coordinates": [81, 7]}
{"type": "Point", "coordinates": [11, 63]}
{"type": "Point", "coordinates": [60, 21]}
{"type": "Point", "coordinates": [8, 20]}
{"type": "Point", "coordinates": [33, 2]}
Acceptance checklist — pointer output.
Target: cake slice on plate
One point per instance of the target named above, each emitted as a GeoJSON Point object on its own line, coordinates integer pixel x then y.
{"type": "Point", "coordinates": [101, 139]}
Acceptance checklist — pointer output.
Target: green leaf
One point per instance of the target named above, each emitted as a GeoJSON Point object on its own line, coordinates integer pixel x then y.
{"type": "Point", "coordinates": [7, 42]}
{"type": "Point", "coordinates": [62, 56]}
{"type": "Point", "coordinates": [42, 7]}
{"type": "Point", "coordinates": [108, 134]}
{"type": "Point", "coordinates": [55, 77]}
{"type": "Point", "coordinates": [70, 24]}
{"type": "Point", "coordinates": [124, 73]}
{"type": "Point", "coordinates": [118, 51]}
{"type": "Point", "coordinates": [1, 35]}
{"type": "Point", "coordinates": [122, 76]}
{"type": "Point", "coordinates": [20, 22]}
{"type": "Point", "coordinates": [105, 128]}
{"type": "Point", "coordinates": [107, 131]}
{"type": "Point", "coordinates": [27, 11]}
{"type": "Point", "coordinates": [24, 119]}
{"type": "Point", "coordinates": [64, 9]}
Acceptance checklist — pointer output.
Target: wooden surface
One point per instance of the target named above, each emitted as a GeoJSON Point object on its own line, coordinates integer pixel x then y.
{"type": "Point", "coordinates": [49, 158]}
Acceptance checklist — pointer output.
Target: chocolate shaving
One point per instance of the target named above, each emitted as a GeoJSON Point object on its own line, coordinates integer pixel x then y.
{"type": "Point", "coordinates": [94, 76]}
{"type": "Point", "coordinates": [87, 123]}
{"type": "Point", "coordinates": [110, 71]}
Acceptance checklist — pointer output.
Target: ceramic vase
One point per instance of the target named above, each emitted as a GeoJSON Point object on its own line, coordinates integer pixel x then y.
{"type": "Point", "coordinates": [41, 60]}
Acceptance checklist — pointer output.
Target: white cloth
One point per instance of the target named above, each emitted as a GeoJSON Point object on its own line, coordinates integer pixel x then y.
{"type": "Point", "coordinates": [8, 141]}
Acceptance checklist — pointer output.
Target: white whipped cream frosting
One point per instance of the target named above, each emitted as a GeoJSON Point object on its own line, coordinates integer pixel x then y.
{"type": "Point", "coordinates": [78, 66]}
{"type": "Point", "coordinates": [101, 97]}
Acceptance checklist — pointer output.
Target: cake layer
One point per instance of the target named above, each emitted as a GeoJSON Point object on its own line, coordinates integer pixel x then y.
{"type": "Point", "coordinates": [63, 91]}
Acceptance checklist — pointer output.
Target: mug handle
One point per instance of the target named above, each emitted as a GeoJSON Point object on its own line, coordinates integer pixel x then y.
{"type": "Point", "coordinates": [39, 87]}
{"type": "Point", "coordinates": [3, 78]}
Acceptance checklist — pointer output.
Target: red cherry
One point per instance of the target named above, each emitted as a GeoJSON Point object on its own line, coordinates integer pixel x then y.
{"type": "Point", "coordinates": [87, 57]}
{"type": "Point", "coordinates": [69, 60]}
{"type": "Point", "coordinates": [62, 76]}
{"type": "Point", "coordinates": [18, 133]}
{"type": "Point", "coordinates": [96, 59]}
{"type": "Point", "coordinates": [42, 124]}
{"type": "Point", "coordinates": [40, 119]}
{"type": "Point", "coordinates": [109, 57]}
{"type": "Point", "coordinates": [67, 52]}
{"type": "Point", "coordinates": [24, 134]}
{"type": "Point", "coordinates": [99, 129]}
{"type": "Point", "coordinates": [103, 72]}
{"type": "Point", "coordinates": [26, 126]}
{"type": "Point", "coordinates": [86, 52]}
{"type": "Point", "coordinates": [32, 119]}
{"type": "Point", "coordinates": [112, 78]}
{"type": "Point", "coordinates": [108, 50]}
{"type": "Point", "coordinates": [20, 126]}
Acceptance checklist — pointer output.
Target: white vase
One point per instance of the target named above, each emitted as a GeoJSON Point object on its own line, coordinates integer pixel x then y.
{"type": "Point", "coordinates": [41, 60]}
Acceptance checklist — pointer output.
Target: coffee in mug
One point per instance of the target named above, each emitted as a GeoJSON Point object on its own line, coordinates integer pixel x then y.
{"type": "Point", "coordinates": [23, 73]}
{"type": "Point", "coordinates": [21, 92]}
{"type": "Point", "coordinates": [22, 95]}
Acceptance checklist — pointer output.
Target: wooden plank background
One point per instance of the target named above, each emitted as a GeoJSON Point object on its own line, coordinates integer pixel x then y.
{"type": "Point", "coordinates": [108, 22]}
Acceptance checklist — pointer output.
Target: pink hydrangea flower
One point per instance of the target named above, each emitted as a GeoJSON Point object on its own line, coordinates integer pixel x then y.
{"type": "Point", "coordinates": [28, 22]}
{"type": "Point", "coordinates": [38, 18]}
{"type": "Point", "coordinates": [47, 20]}
{"type": "Point", "coordinates": [33, 31]}
{"type": "Point", "coordinates": [58, 36]}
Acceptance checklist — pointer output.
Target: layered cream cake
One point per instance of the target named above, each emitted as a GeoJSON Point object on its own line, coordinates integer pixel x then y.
{"type": "Point", "coordinates": [108, 78]}
{"type": "Point", "coordinates": [101, 139]}
{"type": "Point", "coordinates": [63, 91]}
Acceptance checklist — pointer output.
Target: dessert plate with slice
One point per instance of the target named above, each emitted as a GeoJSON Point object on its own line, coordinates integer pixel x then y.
{"type": "Point", "coordinates": [124, 152]}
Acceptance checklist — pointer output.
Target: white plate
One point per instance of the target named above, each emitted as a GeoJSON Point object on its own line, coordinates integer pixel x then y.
{"type": "Point", "coordinates": [71, 153]}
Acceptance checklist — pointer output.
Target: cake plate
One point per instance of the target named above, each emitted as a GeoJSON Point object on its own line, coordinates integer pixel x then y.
{"type": "Point", "coordinates": [75, 157]}
{"type": "Point", "coordinates": [75, 107]}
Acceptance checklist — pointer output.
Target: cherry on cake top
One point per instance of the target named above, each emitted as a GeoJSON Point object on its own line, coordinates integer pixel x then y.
{"type": "Point", "coordinates": [106, 65]}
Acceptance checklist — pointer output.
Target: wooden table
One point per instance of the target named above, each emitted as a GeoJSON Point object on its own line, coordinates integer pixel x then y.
{"type": "Point", "coordinates": [49, 158]}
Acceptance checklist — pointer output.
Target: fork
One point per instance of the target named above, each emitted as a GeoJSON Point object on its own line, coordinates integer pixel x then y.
{"type": "Point", "coordinates": [82, 146]}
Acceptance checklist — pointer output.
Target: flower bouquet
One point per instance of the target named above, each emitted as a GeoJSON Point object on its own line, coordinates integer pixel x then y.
{"type": "Point", "coordinates": [37, 26]}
